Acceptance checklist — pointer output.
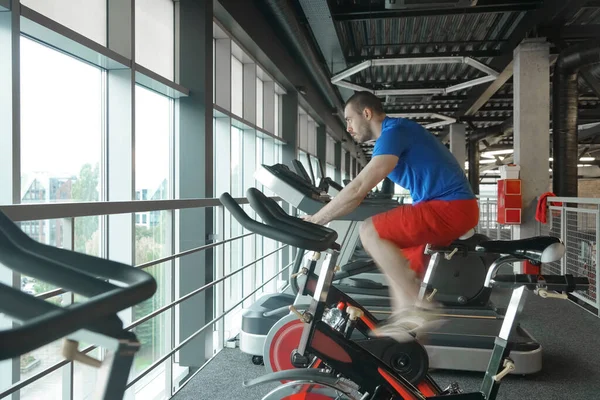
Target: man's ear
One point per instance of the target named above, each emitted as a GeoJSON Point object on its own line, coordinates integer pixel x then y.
{"type": "Point", "coordinates": [367, 113]}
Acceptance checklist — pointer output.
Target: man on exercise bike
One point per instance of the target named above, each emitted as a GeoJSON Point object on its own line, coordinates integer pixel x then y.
{"type": "Point", "coordinates": [444, 206]}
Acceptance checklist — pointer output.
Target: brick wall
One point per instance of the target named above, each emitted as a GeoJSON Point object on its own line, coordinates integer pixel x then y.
{"type": "Point", "coordinates": [589, 188]}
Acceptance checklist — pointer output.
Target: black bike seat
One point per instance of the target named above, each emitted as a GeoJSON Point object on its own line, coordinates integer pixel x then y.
{"type": "Point", "coordinates": [537, 249]}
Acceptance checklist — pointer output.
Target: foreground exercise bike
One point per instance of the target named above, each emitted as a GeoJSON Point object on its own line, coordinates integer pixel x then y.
{"type": "Point", "coordinates": [457, 284]}
{"type": "Point", "coordinates": [108, 286]}
{"type": "Point", "coordinates": [331, 365]}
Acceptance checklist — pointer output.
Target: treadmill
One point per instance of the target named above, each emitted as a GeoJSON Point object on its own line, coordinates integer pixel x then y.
{"type": "Point", "coordinates": [463, 342]}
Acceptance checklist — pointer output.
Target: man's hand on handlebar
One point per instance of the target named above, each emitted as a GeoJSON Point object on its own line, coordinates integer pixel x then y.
{"type": "Point", "coordinates": [311, 218]}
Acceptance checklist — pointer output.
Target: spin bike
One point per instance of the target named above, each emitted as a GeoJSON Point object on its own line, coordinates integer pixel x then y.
{"type": "Point", "coordinates": [331, 365]}
{"type": "Point", "coordinates": [109, 287]}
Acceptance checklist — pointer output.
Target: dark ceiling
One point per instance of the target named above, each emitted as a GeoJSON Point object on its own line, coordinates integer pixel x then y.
{"type": "Point", "coordinates": [347, 32]}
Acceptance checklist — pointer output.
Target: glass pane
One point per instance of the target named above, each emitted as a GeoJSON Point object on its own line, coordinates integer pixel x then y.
{"type": "Point", "coordinates": [237, 87]}
{"type": "Point", "coordinates": [153, 239]}
{"type": "Point", "coordinates": [330, 171]}
{"type": "Point", "coordinates": [61, 126]}
{"type": "Point", "coordinates": [235, 282]}
{"type": "Point", "coordinates": [50, 232]}
{"type": "Point", "coordinates": [88, 238]}
{"type": "Point", "coordinates": [152, 145]}
{"type": "Point", "coordinates": [237, 187]}
{"type": "Point", "coordinates": [85, 377]}
{"type": "Point", "coordinates": [315, 168]}
{"type": "Point", "coordinates": [49, 387]}
{"type": "Point", "coordinates": [276, 106]}
{"type": "Point", "coordinates": [259, 103]}
{"type": "Point", "coordinates": [87, 18]}
{"type": "Point", "coordinates": [258, 277]}
{"type": "Point", "coordinates": [155, 36]}
{"type": "Point", "coordinates": [302, 157]}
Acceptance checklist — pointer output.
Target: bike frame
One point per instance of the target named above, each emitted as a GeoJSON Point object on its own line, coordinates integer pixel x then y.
{"type": "Point", "coordinates": [370, 373]}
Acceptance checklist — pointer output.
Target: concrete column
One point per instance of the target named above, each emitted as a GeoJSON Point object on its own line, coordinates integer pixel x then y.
{"type": "Point", "coordinates": [338, 162]}
{"type": "Point", "coordinates": [531, 125]}
{"type": "Point", "coordinates": [289, 127]}
{"type": "Point", "coordinates": [322, 147]}
{"type": "Point", "coordinates": [457, 143]}
{"type": "Point", "coordinates": [194, 169]}
{"type": "Point", "coordinates": [348, 173]}
{"type": "Point", "coordinates": [474, 166]}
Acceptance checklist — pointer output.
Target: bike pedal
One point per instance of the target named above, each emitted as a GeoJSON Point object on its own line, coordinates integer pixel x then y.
{"type": "Point", "coordinates": [453, 388]}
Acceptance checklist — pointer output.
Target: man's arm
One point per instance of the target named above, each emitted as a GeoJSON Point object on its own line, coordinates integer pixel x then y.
{"type": "Point", "coordinates": [352, 195]}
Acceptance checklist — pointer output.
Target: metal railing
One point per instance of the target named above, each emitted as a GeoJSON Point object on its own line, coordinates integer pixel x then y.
{"type": "Point", "coordinates": [69, 211]}
{"type": "Point", "coordinates": [488, 217]}
{"type": "Point", "coordinates": [576, 221]}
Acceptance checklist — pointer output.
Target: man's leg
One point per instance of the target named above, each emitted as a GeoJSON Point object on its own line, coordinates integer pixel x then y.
{"type": "Point", "coordinates": [402, 280]}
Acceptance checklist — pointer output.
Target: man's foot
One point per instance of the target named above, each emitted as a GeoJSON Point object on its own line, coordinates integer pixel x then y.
{"type": "Point", "coordinates": [409, 323]}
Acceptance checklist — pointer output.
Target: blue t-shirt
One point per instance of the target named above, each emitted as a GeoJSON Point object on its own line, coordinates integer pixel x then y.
{"type": "Point", "coordinates": [425, 166]}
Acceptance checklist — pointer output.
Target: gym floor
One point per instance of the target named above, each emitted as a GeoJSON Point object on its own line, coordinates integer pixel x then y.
{"type": "Point", "coordinates": [571, 363]}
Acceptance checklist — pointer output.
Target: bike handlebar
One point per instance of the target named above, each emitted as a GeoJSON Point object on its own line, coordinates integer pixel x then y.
{"type": "Point", "coordinates": [79, 273]}
{"type": "Point", "coordinates": [281, 226]}
{"type": "Point", "coordinates": [274, 215]}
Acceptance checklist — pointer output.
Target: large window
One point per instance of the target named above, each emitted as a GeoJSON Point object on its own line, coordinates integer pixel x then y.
{"type": "Point", "coordinates": [61, 139]}
{"type": "Point", "coordinates": [61, 126]}
{"type": "Point", "coordinates": [153, 122]}
{"type": "Point", "coordinates": [61, 149]}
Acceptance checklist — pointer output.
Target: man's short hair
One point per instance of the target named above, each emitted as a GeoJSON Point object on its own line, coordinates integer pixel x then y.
{"type": "Point", "coordinates": [364, 99]}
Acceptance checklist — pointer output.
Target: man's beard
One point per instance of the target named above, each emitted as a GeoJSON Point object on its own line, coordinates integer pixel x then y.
{"type": "Point", "coordinates": [364, 133]}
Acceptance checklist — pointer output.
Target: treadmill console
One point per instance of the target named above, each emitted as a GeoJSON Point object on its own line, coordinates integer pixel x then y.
{"type": "Point", "coordinates": [282, 172]}
{"type": "Point", "coordinates": [304, 196]}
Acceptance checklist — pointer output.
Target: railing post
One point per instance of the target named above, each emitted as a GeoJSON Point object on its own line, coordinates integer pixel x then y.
{"type": "Point", "coordinates": [169, 330]}
{"type": "Point", "coordinates": [68, 371]}
{"type": "Point", "coordinates": [597, 259]}
{"type": "Point", "coordinates": [563, 234]}
{"type": "Point", "coordinates": [220, 272]}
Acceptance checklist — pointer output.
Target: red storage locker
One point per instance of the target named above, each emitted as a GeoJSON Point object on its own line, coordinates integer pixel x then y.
{"type": "Point", "coordinates": [510, 201]}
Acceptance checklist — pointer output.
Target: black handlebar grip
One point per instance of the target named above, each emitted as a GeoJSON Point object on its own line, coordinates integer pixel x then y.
{"type": "Point", "coordinates": [274, 215]}
{"type": "Point", "coordinates": [288, 235]}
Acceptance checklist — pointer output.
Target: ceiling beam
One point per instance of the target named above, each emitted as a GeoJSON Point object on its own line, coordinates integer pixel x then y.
{"type": "Point", "coordinates": [354, 13]}
{"type": "Point", "coordinates": [491, 90]}
{"type": "Point", "coordinates": [588, 133]}
{"type": "Point", "coordinates": [356, 59]}
{"type": "Point", "coordinates": [435, 44]}
{"type": "Point", "coordinates": [591, 80]}
{"type": "Point", "coordinates": [543, 15]}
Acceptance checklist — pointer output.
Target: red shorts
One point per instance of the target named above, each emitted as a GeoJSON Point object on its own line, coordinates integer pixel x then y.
{"type": "Point", "coordinates": [436, 222]}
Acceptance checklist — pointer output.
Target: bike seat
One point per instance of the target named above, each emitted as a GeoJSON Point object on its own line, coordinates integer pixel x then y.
{"type": "Point", "coordinates": [537, 249]}
{"type": "Point", "coordinates": [467, 235]}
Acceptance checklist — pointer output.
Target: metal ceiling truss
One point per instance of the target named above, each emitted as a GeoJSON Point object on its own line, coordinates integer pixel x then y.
{"type": "Point", "coordinates": [356, 12]}
{"type": "Point", "coordinates": [445, 120]}
{"type": "Point", "coordinates": [491, 74]}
